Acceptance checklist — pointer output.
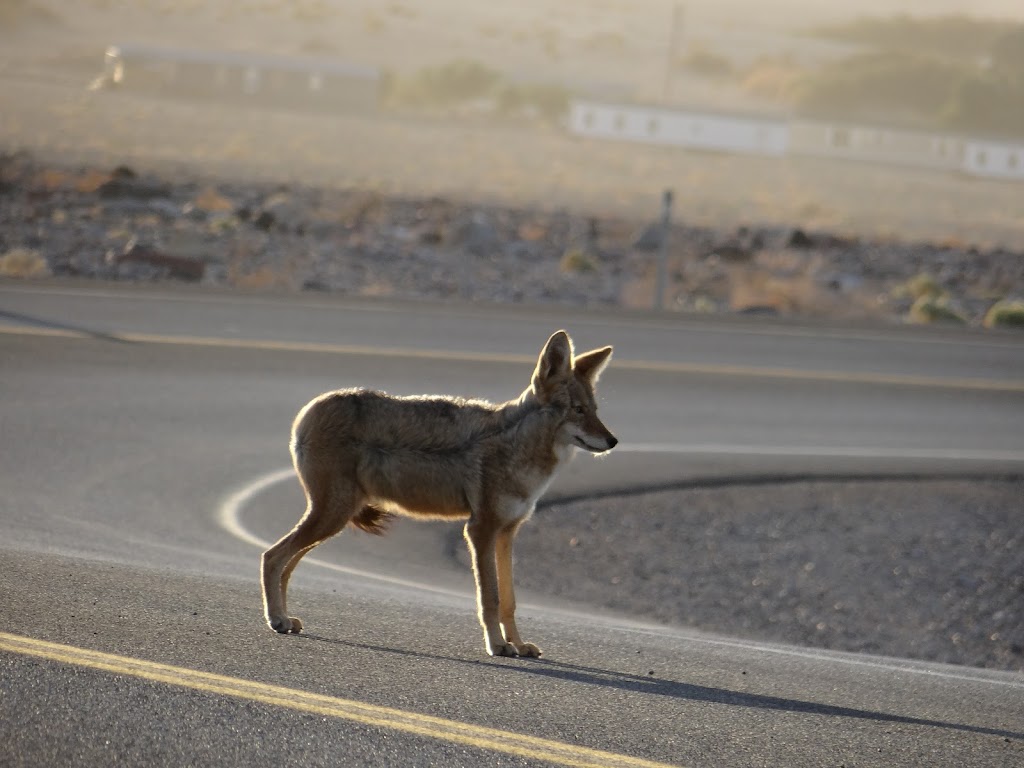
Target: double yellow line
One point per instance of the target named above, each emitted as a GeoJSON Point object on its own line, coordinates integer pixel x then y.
{"type": "Point", "coordinates": [705, 369]}
{"type": "Point", "coordinates": [479, 737]}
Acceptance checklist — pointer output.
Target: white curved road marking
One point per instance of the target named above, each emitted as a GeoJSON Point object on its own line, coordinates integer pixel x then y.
{"type": "Point", "coordinates": [229, 517]}
{"type": "Point", "coordinates": [828, 452]}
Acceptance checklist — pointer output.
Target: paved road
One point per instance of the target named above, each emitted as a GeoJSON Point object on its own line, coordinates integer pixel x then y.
{"type": "Point", "coordinates": [143, 456]}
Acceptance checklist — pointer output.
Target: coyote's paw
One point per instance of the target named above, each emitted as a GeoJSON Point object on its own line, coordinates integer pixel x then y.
{"type": "Point", "coordinates": [528, 649]}
{"type": "Point", "coordinates": [502, 649]}
{"type": "Point", "coordinates": [286, 624]}
{"type": "Point", "coordinates": [513, 649]}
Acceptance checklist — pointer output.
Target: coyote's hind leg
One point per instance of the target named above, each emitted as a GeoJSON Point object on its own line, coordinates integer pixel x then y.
{"type": "Point", "coordinates": [329, 509]}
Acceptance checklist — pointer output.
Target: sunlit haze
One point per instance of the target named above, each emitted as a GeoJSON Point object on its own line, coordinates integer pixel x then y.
{"type": "Point", "coordinates": [749, 57]}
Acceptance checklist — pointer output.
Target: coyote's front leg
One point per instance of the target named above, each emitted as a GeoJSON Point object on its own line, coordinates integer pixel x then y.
{"type": "Point", "coordinates": [480, 536]}
{"type": "Point", "coordinates": [506, 592]}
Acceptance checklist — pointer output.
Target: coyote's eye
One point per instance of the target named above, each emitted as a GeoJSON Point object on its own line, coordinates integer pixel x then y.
{"type": "Point", "coordinates": [580, 410]}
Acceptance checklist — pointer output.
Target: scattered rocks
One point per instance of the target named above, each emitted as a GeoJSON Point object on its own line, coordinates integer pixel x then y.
{"type": "Point", "coordinates": [126, 225]}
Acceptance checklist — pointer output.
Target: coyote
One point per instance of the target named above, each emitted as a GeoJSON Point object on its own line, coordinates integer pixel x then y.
{"type": "Point", "coordinates": [363, 456]}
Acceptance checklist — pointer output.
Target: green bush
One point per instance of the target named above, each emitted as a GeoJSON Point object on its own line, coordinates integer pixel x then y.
{"type": "Point", "coordinates": [923, 284]}
{"type": "Point", "coordinates": [705, 63]}
{"type": "Point", "coordinates": [577, 261]}
{"type": "Point", "coordinates": [989, 102]}
{"type": "Point", "coordinates": [955, 36]}
{"type": "Point", "coordinates": [1007, 51]}
{"type": "Point", "coordinates": [456, 81]}
{"type": "Point", "coordinates": [464, 80]}
{"type": "Point", "coordinates": [951, 72]}
{"type": "Point", "coordinates": [874, 84]}
{"type": "Point", "coordinates": [1007, 313]}
{"type": "Point", "coordinates": [550, 101]}
{"type": "Point", "coordinates": [935, 309]}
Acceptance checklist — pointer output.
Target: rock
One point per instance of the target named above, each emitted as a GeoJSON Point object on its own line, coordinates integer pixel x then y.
{"type": "Point", "coordinates": [476, 234]}
{"type": "Point", "coordinates": [125, 183]}
{"type": "Point", "coordinates": [178, 267]}
{"type": "Point", "coordinates": [264, 220]}
{"type": "Point", "coordinates": [532, 231]}
{"type": "Point", "coordinates": [212, 201]}
{"type": "Point", "coordinates": [168, 209]}
{"type": "Point", "coordinates": [431, 235]}
{"type": "Point", "coordinates": [755, 241]}
{"type": "Point", "coordinates": [841, 282]}
{"type": "Point", "coordinates": [186, 244]}
{"type": "Point", "coordinates": [732, 251]}
{"type": "Point", "coordinates": [315, 284]}
{"type": "Point", "coordinates": [799, 239]}
{"type": "Point", "coordinates": [280, 211]}
{"type": "Point", "coordinates": [759, 311]}
{"type": "Point", "coordinates": [649, 238]}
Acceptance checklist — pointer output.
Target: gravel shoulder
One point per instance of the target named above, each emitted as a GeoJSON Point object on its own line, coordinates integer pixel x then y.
{"type": "Point", "coordinates": [930, 570]}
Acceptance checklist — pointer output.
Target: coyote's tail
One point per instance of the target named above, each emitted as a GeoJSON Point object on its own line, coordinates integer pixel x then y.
{"type": "Point", "coordinates": [372, 520]}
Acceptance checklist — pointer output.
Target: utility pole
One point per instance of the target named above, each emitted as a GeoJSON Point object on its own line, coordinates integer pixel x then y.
{"type": "Point", "coordinates": [674, 33]}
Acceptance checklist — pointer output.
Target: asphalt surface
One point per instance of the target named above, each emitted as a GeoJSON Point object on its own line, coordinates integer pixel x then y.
{"type": "Point", "coordinates": [143, 458]}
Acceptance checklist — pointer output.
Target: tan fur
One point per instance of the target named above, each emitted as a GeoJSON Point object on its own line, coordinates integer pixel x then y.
{"type": "Point", "coordinates": [362, 456]}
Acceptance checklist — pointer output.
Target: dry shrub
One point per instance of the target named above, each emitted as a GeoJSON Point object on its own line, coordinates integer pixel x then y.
{"type": "Point", "coordinates": [212, 201]}
{"type": "Point", "coordinates": [263, 279]}
{"type": "Point", "coordinates": [91, 180]}
{"type": "Point", "coordinates": [23, 263]}
{"type": "Point", "coordinates": [50, 180]}
{"type": "Point", "coordinates": [777, 81]}
{"type": "Point", "coordinates": [577, 261]}
{"type": "Point", "coordinates": [756, 289]}
{"type": "Point", "coordinates": [532, 231]}
{"type": "Point", "coordinates": [360, 208]}
{"type": "Point", "coordinates": [604, 42]}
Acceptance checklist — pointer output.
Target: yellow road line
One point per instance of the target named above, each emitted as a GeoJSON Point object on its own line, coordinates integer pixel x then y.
{"type": "Point", "coordinates": [489, 739]}
{"type": "Point", "coordinates": [836, 377]}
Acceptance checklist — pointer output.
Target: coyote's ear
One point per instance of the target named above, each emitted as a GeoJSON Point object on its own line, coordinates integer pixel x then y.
{"type": "Point", "coordinates": [590, 364]}
{"type": "Point", "coordinates": [555, 360]}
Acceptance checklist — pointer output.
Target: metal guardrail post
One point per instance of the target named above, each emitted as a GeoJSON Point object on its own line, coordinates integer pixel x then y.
{"type": "Point", "coordinates": [666, 223]}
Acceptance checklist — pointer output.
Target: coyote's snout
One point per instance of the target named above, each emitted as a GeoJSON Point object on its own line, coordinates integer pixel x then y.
{"type": "Point", "coordinates": [362, 456]}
